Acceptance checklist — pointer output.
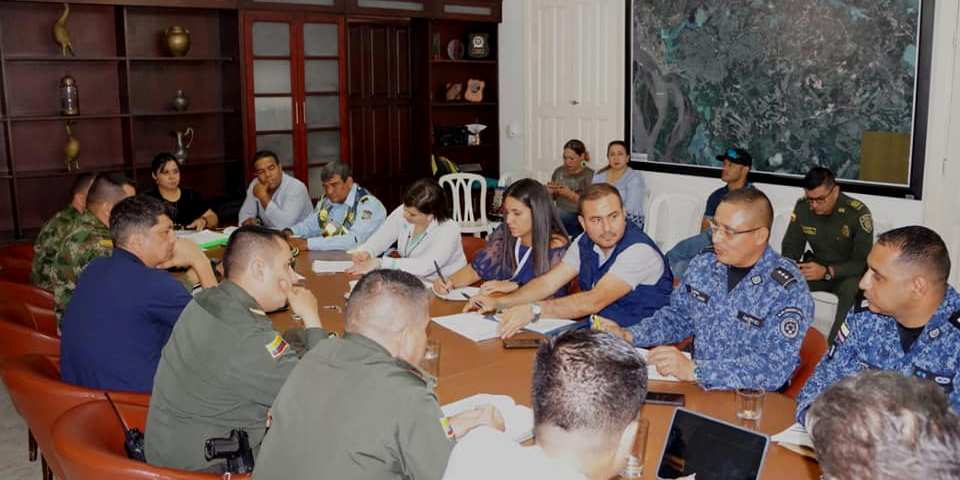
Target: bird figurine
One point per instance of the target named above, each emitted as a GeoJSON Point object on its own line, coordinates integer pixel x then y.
{"type": "Point", "coordinates": [60, 32]}
{"type": "Point", "coordinates": [71, 149]}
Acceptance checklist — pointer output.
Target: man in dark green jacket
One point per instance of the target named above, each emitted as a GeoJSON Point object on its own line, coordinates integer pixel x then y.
{"type": "Point", "coordinates": [357, 407]}
{"type": "Point", "coordinates": [224, 363]}
{"type": "Point", "coordinates": [839, 230]}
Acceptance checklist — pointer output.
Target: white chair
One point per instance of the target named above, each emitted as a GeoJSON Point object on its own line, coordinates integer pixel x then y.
{"type": "Point", "coordinates": [673, 217]}
{"type": "Point", "coordinates": [824, 311]}
{"type": "Point", "coordinates": [781, 220]}
{"type": "Point", "coordinates": [461, 187]}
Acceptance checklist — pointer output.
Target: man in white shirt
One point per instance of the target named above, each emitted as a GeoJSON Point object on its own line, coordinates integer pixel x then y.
{"type": "Point", "coordinates": [274, 199]}
{"type": "Point", "coordinates": [588, 388]}
{"type": "Point", "coordinates": [622, 274]}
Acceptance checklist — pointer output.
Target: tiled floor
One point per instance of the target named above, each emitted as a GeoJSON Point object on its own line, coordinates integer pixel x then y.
{"type": "Point", "coordinates": [13, 444]}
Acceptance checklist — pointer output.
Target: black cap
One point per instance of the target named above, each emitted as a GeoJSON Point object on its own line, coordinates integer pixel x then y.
{"type": "Point", "coordinates": [737, 155]}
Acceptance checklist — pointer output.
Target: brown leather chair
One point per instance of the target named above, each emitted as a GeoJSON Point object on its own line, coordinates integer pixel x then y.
{"type": "Point", "coordinates": [17, 339]}
{"type": "Point", "coordinates": [37, 393]}
{"type": "Point", "coordinates": [471, 245]}
{"type": "Point", "coordinates": [89, 438]}
{"type": "Point", "coordinates": [22, 250]}
{"type": "Point", "coordinates": [16, 262]}
{"type": "Point", "coordinates": [28, 305]}
{"type": "Point", "coordinates": [811, 351]}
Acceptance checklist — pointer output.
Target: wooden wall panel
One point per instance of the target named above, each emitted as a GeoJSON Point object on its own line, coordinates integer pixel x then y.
{"type": "Point", "coordinates": [38, 146]}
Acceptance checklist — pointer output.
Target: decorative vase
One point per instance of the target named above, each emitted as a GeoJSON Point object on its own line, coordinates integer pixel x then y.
{"type": "Point", "coordinates": [71, 149]}
{"type": "Point", "coordinates": [178, 40]}
{"type": "Point", "coordinates": [180, 102]}
{"type": "Point", "coordinates": [69, 96]}
{"type": "Point", "coordinates": [184, 140]}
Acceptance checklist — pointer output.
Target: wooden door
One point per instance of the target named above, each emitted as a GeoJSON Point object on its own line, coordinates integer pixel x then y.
{"type": "Point", "coordinates": [380, 102]}
{"type": "Point", "coordinates": [295, 103]}
{"type": "Point", "coordinates": [574, 78]}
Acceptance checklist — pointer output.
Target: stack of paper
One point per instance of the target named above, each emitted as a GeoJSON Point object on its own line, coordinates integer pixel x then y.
{"type": "Point", "coordinates": [331, 266]}
{"type": "Point", "coordinates": [206, 239]}
{"type": "Point", "coordinates": [518, 419]}
{"type": "Point", "coordinates": [479, 327]}
{"type": "Point", "coordinates": [652, 373]}
{"type": "Point", "coordinates": [795, 438]}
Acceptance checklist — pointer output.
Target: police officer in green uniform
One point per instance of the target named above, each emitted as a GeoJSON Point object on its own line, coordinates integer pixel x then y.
{"type": "Point", "coordinates": [89, 237]}
{"type": "Point", "coordinates": [839, 231]}
{"type": "Point", "coordinates": [224, 363]}
{"type": "Point", "coordinates": [357, 407]}
{"type": "Point", "coordinates": [55, 230]}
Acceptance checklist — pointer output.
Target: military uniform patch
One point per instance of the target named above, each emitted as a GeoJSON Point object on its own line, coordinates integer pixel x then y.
{"type": "Point", "coordinates": [749, 319]}
{"type": "Point", "coordinates": [783, 277]}
{"type": "Point", "coordinates": [789, 327]}
{"type": "Point", "coordinates": [808, 230]}
{"type": "Point", "coordinates": [842, 334]}
{"type": "Point", "coordinates": [697, 294]}
{"type": "Point", "coordinates": [845, 231]}
{"type": "Point", "coordinates": [856, 204]}
{"type": "Point", "coordinates": [866, 222]}
{"type": "Point", "coordinates": [106, 243]}
{"type": "Point", "coordinates": [447, 429]}
{"type": "Point", "coordinates": [277, 346]}
{"type": "Point", "coordinates": [366, 215]}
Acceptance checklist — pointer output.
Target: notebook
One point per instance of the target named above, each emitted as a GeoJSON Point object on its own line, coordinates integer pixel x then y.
{"type": "Point", "coordinates": [711, 449]}
{"type": "Point", "coordinates": [479, 327]}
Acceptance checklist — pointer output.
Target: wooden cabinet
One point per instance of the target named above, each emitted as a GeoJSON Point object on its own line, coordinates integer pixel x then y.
{"type": "Point", "coordinates": [126, 82]}
{"type": "Point", "coordinates": [296, 106]}
{"type": "Point", "coordinates": [446, 64]}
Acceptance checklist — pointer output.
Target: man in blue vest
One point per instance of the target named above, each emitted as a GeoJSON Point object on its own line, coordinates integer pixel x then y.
{"type": "Point", "coordinates": [622, 273]}
{"type": "Point", "coordinates": [346, 214]}
{"type": "Point", "coordinates": [747, 307]}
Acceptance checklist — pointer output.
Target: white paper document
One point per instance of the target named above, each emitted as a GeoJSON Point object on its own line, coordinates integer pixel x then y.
{"type": "Point", "coordinates": [457, 294]}
{"type": "Point", "coordinates": [331, 266]}
{"type": "Point", "coordinates": [652, 373]}
{"type": "Point", "coordinates": [479, 327]}
{"type": "Point", "coordinates": [796, 439]}
{"type": "Point", "coordinates": [518, 419]}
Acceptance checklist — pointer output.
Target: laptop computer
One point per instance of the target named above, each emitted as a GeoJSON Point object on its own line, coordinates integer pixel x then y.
{"type": "Point", "coordinates": [710, 448]}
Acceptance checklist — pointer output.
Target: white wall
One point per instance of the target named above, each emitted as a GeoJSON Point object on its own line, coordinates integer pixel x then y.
{"type": "Point", "coordinates": [941, 195]}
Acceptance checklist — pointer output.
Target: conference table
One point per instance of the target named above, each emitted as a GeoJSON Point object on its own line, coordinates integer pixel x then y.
{"type": "Point", "coordinates": [468, 368]}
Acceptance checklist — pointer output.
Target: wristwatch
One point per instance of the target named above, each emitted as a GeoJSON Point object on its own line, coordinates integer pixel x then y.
{"type": "Point", "coordinates": [828, 276]}
{"type": "Point", "coordinates": [537, 311]}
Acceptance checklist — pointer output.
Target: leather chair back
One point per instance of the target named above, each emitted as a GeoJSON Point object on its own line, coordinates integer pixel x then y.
{"type": "Point", "coordinates": [16, 262]}
{"type": "Point", "coordinates": [28, 305]}
{"type": "Point", "coordinates": [89, 438]}
{"type": "Point", "coordinates": [36, 391]}
{"type": "Point", "coordinates": [17, 340]}
{"type": "Point", "coordinates": [811, 351]}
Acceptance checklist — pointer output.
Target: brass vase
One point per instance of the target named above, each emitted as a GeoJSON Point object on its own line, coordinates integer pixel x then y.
{"type": "Point", "coordinates": [71, 149]}
{"type": "Point", "coordinates": [178, 40]}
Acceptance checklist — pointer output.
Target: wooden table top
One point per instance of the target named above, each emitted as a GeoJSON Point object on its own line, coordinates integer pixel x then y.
{"type": "Point", "coordinates": [468, 368]}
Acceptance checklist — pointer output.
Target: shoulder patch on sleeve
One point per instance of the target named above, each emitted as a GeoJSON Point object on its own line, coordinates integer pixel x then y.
{"type": "Point", "coordinates": [277, 346]}
{"type": "Point", "coordinates": [866, 222]}
{"type": "Point", "coordinates": [856, 204]}
{"type": "Point", "coordinates": [106, 243]}
{"type": "Point", "coordinates": [447, 428]}
{"type": "Point", "coordinates": [783, 277]}
{"type": "Point", "coordinates": [790, 321]}
{"type": "Point", "coordinates": [366, 215]}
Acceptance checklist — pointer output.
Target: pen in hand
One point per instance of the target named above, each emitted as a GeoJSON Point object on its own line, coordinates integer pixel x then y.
{"type": "Point", "coordinates": [439, 273]}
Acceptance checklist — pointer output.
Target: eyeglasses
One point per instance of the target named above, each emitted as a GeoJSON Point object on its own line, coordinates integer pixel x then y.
{"type": "Point", "coordinates": [724, 231]}
{"type": "Point", "coordinates": [821, 198]}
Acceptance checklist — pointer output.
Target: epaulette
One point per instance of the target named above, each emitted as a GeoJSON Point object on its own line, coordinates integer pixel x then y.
{"type": "Point", "coordinates": [783, 276]}
{"type": "Point", "coordinates": [856, 204]}
{"type": "Point", "coordinates": [364, 198]}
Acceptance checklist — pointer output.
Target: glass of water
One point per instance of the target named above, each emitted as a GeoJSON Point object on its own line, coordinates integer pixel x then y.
{"type": "Point", "coordinates": [750, 404]}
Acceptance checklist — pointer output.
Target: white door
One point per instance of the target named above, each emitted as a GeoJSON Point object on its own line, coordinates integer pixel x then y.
{"type": "Point", "coordinates": [574, 74]}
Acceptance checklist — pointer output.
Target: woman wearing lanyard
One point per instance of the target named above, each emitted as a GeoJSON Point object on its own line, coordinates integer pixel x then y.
{"type": "Point", "coordinates": [426, 236]}
{"type": "Point", "coordinates": [530, 242]}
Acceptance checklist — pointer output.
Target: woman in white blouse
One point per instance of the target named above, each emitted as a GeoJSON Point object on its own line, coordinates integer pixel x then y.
{"type": "Point", "coordinates": [425, 234]}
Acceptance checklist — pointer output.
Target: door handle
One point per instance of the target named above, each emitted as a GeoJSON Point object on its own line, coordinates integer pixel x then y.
{"type": "Point", "coordinates": [574, 103]}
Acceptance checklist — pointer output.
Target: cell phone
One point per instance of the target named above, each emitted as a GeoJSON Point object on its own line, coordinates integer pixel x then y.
{"type": "Point", "coordinates": [521, 342]}
{"type": "Point", "coordinates": [665, 398]}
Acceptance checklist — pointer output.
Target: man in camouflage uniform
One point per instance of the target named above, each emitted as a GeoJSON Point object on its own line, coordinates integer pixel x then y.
{"type": "Point", "coordinates": [55, 230]}
{"type": "Point", "coordinates": [357, 406]}
{"type": "Point", "coordinates": [747, 308]}
{"type": "Point", "coordinates": [346, 215]}
{"type": "Point", "coordinates": [839, 230]}
{"type": "Point", "coordinates": [910, 322]}
{"type": "Point", "coordinates": [89, 238]}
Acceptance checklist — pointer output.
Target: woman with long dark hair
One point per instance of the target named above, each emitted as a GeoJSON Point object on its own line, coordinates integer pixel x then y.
{"type": "Point", "coordinates": [425, 233]}
{"type": "Point", "coordinates": [528, 244]}
{"type": "Point", "coordinates": [628, 181]}
{"type": "Point", "coordinates": [188, 208]}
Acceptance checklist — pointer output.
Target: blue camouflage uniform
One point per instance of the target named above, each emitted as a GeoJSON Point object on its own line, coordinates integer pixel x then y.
{"type": "Point", "coordinates": [342, 226]}
{"type": "Point", "coordinates": [747, 338]}
{"type": "Point", "coordinates": [868, 340]}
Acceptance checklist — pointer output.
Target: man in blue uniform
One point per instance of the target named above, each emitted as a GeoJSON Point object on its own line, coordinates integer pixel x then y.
{"type": "Point", "coordinates": [346, 214]}
{"type": "Point", "coordinates": [911, 322]}
{"type": "Point", "coordinates": [622, 273]}
{"type": "Point", "coordinates": [747, 308]}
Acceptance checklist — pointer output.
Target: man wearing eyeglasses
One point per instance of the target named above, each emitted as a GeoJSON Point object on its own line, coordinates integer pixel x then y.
{"type": "Point", "coordinates": [839, 230]}
{"type": "Point", "coordinates": [747, 308]}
